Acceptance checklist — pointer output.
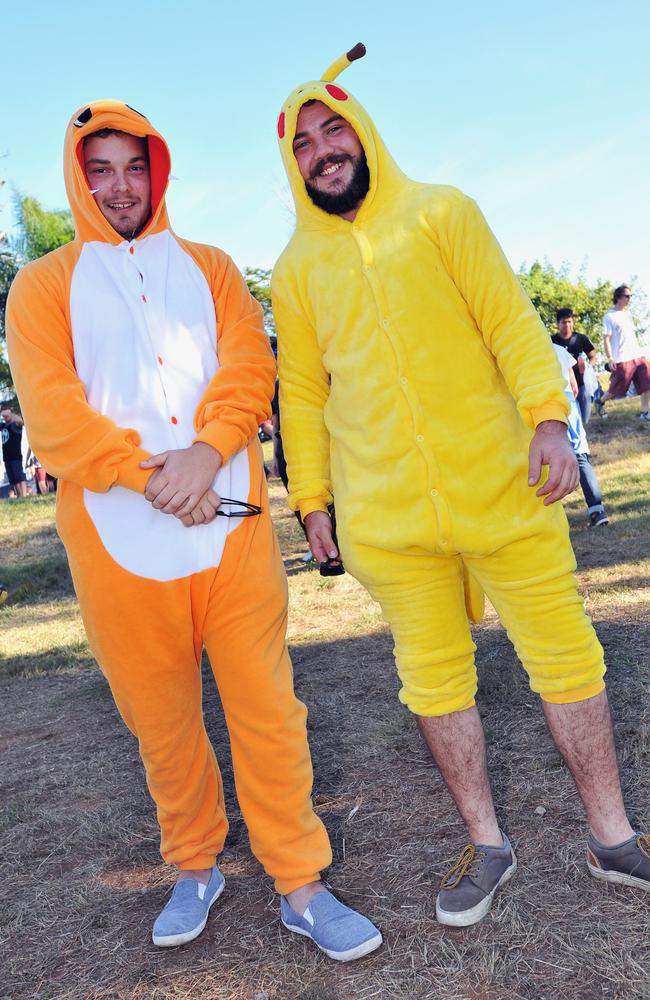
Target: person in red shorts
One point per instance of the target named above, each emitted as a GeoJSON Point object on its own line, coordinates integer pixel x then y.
{"type": "Point", "coordinates": [625, 358]}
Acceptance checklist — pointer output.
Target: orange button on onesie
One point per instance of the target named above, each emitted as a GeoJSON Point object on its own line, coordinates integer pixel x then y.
{"type": "Point", "coordinates": [122, 349]}
{"type": "Point", "coordinates": [413, 369]}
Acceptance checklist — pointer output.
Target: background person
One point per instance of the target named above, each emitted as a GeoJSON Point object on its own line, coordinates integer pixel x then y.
{"type": "Point", "coordinates": [578, 438]}
{"type": "Point", "coordinates": [11, 432]}
{"type": "Point", "coordinates": [625, 358]}
{"type": "Point", "coordinates": [576, 344]}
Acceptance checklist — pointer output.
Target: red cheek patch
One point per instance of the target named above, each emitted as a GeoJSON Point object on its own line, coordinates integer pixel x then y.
{"type": "Point", "coordinates": [336, 92]}
{"type": "Point", "coordinates": [281, 125]}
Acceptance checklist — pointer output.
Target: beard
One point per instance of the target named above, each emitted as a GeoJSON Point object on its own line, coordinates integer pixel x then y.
{"type": "Point", "coordinates": [340, 202]}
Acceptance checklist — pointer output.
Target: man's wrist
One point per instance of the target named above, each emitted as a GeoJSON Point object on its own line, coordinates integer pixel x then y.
{"type": "Point", "coordinates": [551, 427]}
{"type": "Point", "coordinates": [210, 454]}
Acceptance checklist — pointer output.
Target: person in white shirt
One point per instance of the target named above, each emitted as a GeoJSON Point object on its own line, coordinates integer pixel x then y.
{"type": "Point", "coordinates": [625, 358]}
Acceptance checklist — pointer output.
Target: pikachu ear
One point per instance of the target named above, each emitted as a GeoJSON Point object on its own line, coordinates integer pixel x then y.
{"type": "Point", "coordinates": [343, 62]}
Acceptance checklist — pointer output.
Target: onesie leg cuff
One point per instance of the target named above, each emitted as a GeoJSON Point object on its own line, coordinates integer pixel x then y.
{"type": "Point", "coordinates": [286, 885]}
{"type": "Point", "coordinates": [578, 694]}
{"type": "Point", "coordinates": [427, 711]}
{"type": "Point", "coordinates": [198, 861]}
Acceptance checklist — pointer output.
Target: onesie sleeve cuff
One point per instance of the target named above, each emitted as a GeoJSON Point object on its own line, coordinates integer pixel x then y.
{"type": "Point", "coordinates": [131, 475]}
{"type": "Point", "coordinates": [224, 438]}
{"type": "Point", "coordinates": [548, 411]}
{"type": "Point", "coordinates": [309, 506]}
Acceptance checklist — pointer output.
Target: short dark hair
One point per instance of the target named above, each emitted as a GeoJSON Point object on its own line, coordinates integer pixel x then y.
{"type": "Point", "coordinates": [619, 293]}
{"type": "Point", "coordinates": [564, 314]}
{"type": "Point", "coordinates": [103, 133]}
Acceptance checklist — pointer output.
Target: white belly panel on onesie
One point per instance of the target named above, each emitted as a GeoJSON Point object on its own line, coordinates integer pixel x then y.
{"type": "Point", "coordinates": [145, 344]}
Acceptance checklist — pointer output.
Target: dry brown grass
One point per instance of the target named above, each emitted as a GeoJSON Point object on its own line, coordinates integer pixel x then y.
{"type": "Point", "coordinates": [81, 879]}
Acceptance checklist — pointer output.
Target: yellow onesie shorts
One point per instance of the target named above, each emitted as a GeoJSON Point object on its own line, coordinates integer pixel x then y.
{"type": "Point", "coordinates": [531, 585]}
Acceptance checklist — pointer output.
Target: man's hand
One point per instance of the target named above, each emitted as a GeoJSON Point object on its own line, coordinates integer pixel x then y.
{"type": "Point", "coordinates": [550, 446]}
{"type": "Point", "coordinates": [204, 512]}
{"type": "Point", "coordinates": [182, 486]}
{"type": "Point", "coordinates": [318, 525]}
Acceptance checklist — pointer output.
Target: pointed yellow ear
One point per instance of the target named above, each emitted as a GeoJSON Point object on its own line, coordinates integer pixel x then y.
{"type": "Point", "coordinates": [343, 62]}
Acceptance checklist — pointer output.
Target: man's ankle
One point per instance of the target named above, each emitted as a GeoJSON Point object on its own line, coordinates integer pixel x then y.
{"type": "Point", "coordinates": [201, 875]}
{"type": "Point", "coordinates": [611, 834]}
{"type": "Point", "coordinates": [299, 899]}
{"type": "Point", "coordinates": [486, 834]}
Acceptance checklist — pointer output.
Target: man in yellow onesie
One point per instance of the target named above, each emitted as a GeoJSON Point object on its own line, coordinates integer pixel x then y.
{"type": "Point", "coordinates": [143, 372]}
{"type": "Point", "coordinates": [418, 388]}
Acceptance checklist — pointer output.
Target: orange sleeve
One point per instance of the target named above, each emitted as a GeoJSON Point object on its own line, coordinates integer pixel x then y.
{"type": "Point", "coordinates": [239, 396]}
{"type": "Point", "coordinates": [72, 440]}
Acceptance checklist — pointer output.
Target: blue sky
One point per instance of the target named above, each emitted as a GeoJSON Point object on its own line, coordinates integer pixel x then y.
{"type": "Point", "coordinates": [541, 113]}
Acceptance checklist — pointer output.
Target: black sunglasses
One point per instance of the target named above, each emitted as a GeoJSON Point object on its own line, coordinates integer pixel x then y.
{"type": "Point", "coordinates": [249, 509]}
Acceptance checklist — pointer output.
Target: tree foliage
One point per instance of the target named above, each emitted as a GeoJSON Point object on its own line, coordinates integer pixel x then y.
{"type": "Point", "coordinates": [550, 289]}
{"type": "Point", "coordinates": [8, 269]}
{"type": "Point", "coordinates": [258, 280]}
{"type": "Point", "coordinates": [40, 231]}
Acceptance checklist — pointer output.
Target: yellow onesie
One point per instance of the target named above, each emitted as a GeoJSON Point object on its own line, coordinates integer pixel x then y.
{"type": "Point", "coordinates": [121, 349]}
{"type": "Point", "coordinates": [413, 370]}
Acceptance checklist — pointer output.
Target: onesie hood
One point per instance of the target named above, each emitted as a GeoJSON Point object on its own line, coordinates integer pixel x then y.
{"type": "Point", "coordinates": [89, 222]}
{"type": "Point", "coordinates": [385, 175]}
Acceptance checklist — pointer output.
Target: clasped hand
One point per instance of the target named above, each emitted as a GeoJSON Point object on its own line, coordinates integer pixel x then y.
{"type": "Point", "coordinates": [182, 484]}
{"type": "Point", "coordinates": [550, 446]}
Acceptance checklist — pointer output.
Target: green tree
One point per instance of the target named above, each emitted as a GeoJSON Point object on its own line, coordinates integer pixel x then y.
{"type": "Point", "coordinates": [550, 289]}
{"type": "Point", "coordinates": [8, 269]}
{"type": "Point", "coordinates": [40, 231]}
{"type": "Point", "coordinates": [258, 280]}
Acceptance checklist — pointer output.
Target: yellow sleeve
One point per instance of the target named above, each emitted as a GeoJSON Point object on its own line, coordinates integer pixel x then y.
{"type": "Point", "coordinates": [503, 313]}
{"type": "Point", "coordinates": [238, 399]}
{"type": "Point", "coordinates": [304, 390]}
{"type": "Point", "coordinates": [72, 440]}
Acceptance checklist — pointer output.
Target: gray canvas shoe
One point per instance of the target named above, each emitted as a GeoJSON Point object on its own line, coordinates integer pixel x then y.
{"type": "Point", "coordinates": [627, 863]}
{"type": "Point", "coordinates": [467, 890]}
{"type": "Point", "coordinates": [186, 912]}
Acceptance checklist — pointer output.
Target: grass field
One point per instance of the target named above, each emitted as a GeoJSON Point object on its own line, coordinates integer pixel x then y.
{"type": "Point", "coordinates": [80, 875]}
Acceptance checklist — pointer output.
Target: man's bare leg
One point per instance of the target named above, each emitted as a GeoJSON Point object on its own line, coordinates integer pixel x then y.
{"type": "Point", "coordinates": [583, 734]}
{"type": "Point", "coordinates": [457, 745]}
{"type": "Point", "coordinates": [645, 401]}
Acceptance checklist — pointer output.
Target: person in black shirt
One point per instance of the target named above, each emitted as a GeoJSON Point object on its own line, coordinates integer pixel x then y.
{"type": "Point", "coordinates": [11, 431]}
{"type": "Point", "coordinates": [576, 344]}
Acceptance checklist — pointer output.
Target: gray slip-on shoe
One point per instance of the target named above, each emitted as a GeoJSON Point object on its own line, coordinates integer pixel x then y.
{"type": "Point", "coordinates": [186, 913]}
{"type": "Point", "coordinates": [342, 933]}
{"type": "Point", "coordinates": [626, 864]}
{"type": "Point", "coordinates": [468, 888]}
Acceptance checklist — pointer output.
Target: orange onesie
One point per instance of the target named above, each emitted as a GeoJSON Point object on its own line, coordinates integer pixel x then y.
{"type": "Point", "coordinates": [121, 349]}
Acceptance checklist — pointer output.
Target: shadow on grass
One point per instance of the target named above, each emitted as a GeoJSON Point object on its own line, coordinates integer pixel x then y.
{"type": "Point", "coordinates": [35, 580]}
{"type": "Point", "coordinates": [56, 659]}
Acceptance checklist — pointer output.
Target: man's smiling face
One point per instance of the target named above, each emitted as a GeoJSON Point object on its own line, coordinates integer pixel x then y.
{"type": "Point", "coordinates": [331, 160]}
{"type": "Point", "coordinates": [117, 171]}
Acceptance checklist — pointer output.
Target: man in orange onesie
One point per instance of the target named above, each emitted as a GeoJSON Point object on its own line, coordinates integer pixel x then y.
{"type": "Point", "coordinates": [151, 353]}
